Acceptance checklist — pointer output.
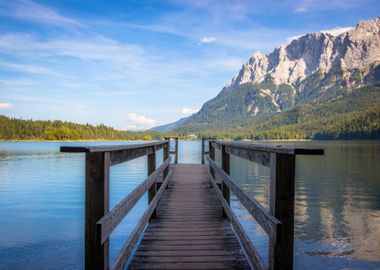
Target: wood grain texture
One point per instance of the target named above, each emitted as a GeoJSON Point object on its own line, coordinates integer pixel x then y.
{"type": "Point", "coordinates": [189, 231]}
{"type": "Point", "coordinates": [111, 148]}
{"type": "Point", "coordinates": [268, 148]}
{"type": "Point", "coordinates": [282, 183]}
{"type": "Point", "coordinates": [97, 205]}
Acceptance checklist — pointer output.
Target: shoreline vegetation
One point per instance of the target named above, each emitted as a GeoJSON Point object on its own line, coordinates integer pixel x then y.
{"type": "Point", "coordinates": [182, 139]}
{"type": "Point", "coordinates": [19, 130]}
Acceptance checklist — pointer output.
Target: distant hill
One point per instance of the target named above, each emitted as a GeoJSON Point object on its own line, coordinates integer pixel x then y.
{"type": "Point", "coordinates": [171, 126]}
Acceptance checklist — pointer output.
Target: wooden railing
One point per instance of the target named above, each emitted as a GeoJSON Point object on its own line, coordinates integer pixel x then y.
{"type": "Point", "coordinates": [278, 222]}
{"type": "Point", "coordinates": [99, 220]}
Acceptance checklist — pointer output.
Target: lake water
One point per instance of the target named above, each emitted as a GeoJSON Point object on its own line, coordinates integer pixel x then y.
{"type": "Point", "coordinates": [337, 221]}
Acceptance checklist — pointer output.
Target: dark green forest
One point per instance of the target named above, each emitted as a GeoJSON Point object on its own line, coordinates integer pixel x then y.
{"type": "Point", "coordinates": [354, 115]}
{"type": "Point", "coordinates": [17, 129]}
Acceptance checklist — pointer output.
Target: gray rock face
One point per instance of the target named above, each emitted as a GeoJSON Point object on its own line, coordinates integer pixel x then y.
{"type": "Point", "coordinates": [353, 51]}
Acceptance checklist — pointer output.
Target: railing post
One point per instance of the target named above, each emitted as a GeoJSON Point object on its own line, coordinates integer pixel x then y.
{"type": "Point", "coordinates": [211, 152]}
{"type": "Point", "coordinates": [96, 206]}
{"type": "Point", "coordinates": [282, 182]}
{"type": "Point", "coordinates": [176, 150]}
{"type": "Point", "coordinates": [151, 168]}
{"type": "Point", "coordinates": [166, 151]}
{"type": "Point", "coordinates": [203, 150]}
{"type": "Point", "coordinates": [226, 169]}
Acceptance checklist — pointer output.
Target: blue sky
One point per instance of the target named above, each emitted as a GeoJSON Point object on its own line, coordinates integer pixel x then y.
{"type": "Point", "coordinates": [136, 64]}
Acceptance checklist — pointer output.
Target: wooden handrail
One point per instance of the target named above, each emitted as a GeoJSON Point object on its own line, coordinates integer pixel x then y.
{"type": "Point", "coordinates": [278, 223]}
{"type": "Point", "coordinates": [99, 221]}
{"type": "Point", "coordinates": [109, 222]}
{"type": "Point", "coordinates": [253, 255]}
{"type": "Point", "coordinates": [270, 224]}
{"type": "Point", "coordinates": [135, 235]}
{"type": "Point", "coordinates": [111, 148]}
{"type": "Point", "coordinates": [269, 148]}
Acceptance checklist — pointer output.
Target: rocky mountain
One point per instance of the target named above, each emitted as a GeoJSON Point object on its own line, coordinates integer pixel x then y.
{"type": "Point", "coordinates": [315, 67]}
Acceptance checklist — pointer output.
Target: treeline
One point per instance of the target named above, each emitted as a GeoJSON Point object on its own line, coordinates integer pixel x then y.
{"type": "Point", "coordinates": [357, 125]}
{"type": "Point", "coordinates": [18, 129]}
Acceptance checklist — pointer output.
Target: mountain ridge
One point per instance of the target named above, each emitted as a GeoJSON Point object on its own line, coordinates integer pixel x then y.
{"type": "Point", "coordinates": [313, 67]}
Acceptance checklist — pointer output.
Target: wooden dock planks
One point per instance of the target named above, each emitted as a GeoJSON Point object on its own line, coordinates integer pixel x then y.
{"type": "Point", "coordinates": [190, 231]}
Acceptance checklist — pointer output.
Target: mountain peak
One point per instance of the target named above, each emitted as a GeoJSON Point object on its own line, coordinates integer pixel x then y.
{"type": "Point", "coordinates": [349, 48]}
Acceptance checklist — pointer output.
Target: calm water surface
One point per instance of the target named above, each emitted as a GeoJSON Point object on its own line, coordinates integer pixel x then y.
{"type": "Point", "coordinates": [337, 204]}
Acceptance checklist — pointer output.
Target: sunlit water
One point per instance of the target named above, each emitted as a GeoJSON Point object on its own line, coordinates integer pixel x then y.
{"type": "Point", "coordinates": [337, 204]}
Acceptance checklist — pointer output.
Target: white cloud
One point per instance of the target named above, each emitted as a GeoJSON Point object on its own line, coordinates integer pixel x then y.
{"type": "Point", "coordinates": [97, 48]}
{"type": "Point", "coordinates": [207, 40]}
{"type": "Point", "coordinates": [337, 30]}
{"type": "Point", "coordinates": [323, 5]}
{"type": "Point", "coordinates": [334, 31]}
{"type": "Point", "coordinates": [300, 9]}
{"type": "Point", "coordinates": [28, 10]}
{"type": "Point", "coordinates": [26, 68]}
{"type": "Point", "coordinates": [188, 111]}
{"type": "Point", "coordinates": [290, 39]}
{"type": "Point", "coordinates": [139, 122]}
{"type": "Point", "coordinates": [6, 105]}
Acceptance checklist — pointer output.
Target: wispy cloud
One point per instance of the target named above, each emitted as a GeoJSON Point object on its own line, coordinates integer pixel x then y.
{"type": "Point", "coordinates": [337, 30]}
{"type": "Point", "coordinates": [300, 9]}
{"type": "Point", "coordinates": [290, 39]}
{"type": "Point", "coordinates": [28, 10]}
{"type": "Point", "coordinates": [207, 40]}
{"type": "Point", "coordinates": [5, 106]}
{"type": "Point", "coordinates": [333, 31]}
{"type": "Point", "coordinates": [27, 68]}
{"type": "Point", "coordinates": [188, 111]}
{"type": "Point", "coordinates": [94, 48]}
{"type": "Point", "coordinates": [139, 122]}
{"type": "Point", "coordinates": [323, 5]}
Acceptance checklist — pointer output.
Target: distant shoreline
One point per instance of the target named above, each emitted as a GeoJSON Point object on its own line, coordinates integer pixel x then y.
{"type": "Point", "coordinates": [72, 140]}
{"type": "Point", "coordinates": [266, 140]}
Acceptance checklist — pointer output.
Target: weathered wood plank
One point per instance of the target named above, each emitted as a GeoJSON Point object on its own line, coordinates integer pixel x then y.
{"type": "Point", "coordinates": [186, 253]}
{"type": "Point", "coordinates": [282, 182]}
{"type": "Point", "coordinates": [166, 155]}
{"type": "Point", "coordinates": [236, 258]}
{"type": "Point", "coordinates": [212, 156]}
{"type": "Point", "coordinates": [176, 151]}
{"type": "Point", "coordinates": [260, 157]}
{"type": "Point", "coordinates": [190, 227]}
{"type": "Point", "coordinates": [203, 151]}
{"type": "Point", "coordinates": [97, 205]}
{"type": "Point", "coordinates": [226, 168]}
{"type": "Point", "coordinates": [121, 156]}
{"type": "Point", "coordinates": [144, 247]}
{"type": "Point", "coordinates": [192, 266]}
{"type": "Point", "coordinates": [152, 190]}
{"type": "Point", "coordinates": [110, 148]}
{"type": "Point", "coordinates": [268, 148]}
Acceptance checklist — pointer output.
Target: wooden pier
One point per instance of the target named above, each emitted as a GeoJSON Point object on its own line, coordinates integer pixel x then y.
{"type": "Point", "coordinates": [189, 223]}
